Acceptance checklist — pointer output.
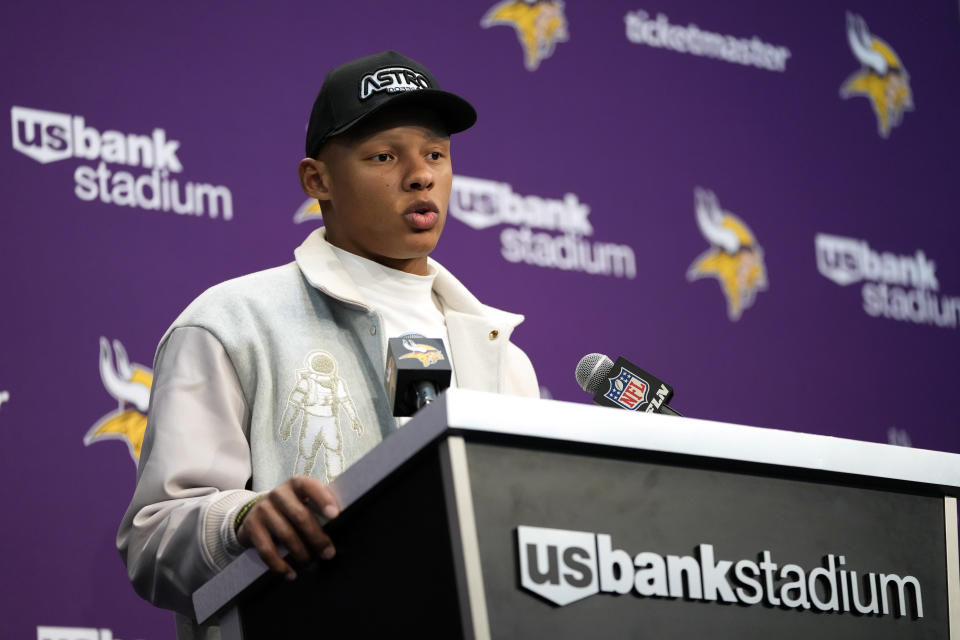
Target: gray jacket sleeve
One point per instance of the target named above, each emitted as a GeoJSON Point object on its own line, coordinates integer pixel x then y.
{"type": "Point", "coordinates": [194, 464]}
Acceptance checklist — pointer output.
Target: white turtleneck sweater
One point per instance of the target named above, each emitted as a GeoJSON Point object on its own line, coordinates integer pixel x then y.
{"type": "Point", "coordinates": [405, 301]}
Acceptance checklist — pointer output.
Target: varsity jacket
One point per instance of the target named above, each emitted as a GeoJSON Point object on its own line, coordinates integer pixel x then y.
{"type": "Point", "coordinates": [235, 378]}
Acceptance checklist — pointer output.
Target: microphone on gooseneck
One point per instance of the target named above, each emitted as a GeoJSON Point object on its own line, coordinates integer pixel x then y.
{"type": "Point", "coordinates": [417, 371]}
{"type": "Point", "coordinates": [623, 384]}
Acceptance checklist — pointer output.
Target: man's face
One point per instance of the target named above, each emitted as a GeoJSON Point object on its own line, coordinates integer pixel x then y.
{"type": "Point", "coordinates": [388, 186]}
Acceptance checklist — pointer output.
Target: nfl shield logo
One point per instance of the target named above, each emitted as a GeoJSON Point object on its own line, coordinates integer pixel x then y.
{"type": "Point", "coordinates": [628, 390]}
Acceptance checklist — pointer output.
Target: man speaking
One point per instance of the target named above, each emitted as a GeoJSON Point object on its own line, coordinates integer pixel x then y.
{"type": "Point", "coordinates": [268, 386]}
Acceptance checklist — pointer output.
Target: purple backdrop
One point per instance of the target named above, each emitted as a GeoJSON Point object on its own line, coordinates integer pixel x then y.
{"type": "Point", "coordinates": [593, 139]}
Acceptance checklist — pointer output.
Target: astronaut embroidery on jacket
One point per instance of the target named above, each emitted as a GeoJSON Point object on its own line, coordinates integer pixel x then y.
{"type": "Point", "coordinates": [314, 408]}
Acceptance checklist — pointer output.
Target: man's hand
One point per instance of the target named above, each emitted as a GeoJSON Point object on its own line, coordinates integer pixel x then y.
{"type": "Point", "coordinates": [285, 516]}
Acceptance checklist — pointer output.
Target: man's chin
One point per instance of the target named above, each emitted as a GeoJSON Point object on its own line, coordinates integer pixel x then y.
{"type": "Point", "coordinates": [420, 244]}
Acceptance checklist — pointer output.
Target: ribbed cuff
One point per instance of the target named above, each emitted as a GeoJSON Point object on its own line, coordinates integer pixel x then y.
{"type": "Point", "coordinates": [219, 539]}
{"type": "Point", "coordinates": [228, 529]}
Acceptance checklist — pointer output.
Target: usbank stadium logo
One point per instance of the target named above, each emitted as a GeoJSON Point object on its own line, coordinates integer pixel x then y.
{"type": "Point", "coordinates": [882, 78]}
{"type": "Point", "coordinates": [48, 136]}
{"type": "Point", "coordinates": [734, 257]}
{"type": "Point", "coordinates": [565, 566]}
{"type": "Point", "coordinates": [642, 28]}
{"type": "Point", "coordinates": [531, 223]}
{"type": "Point", "coordinates": [540, 25]}
{"type": "Point", "coordinates": [129, 384]}
{"type": "Point", "coordinates": [896, 287]}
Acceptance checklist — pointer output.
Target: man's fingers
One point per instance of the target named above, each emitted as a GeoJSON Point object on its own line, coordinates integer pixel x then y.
{"type": "Point", "coordinates": [263, 543]}
{"type": "Point", "coordinates": [316, 492]}
{"type": "Point", "coordinates": [292, 508]}
{"type": "Point", "coordinates": [285, 532]}
{"type": "Point", "coordinates": [287, 516]}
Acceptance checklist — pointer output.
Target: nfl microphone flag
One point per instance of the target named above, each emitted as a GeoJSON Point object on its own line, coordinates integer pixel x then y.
{"type": "Point", "coordinates": [632, 388]}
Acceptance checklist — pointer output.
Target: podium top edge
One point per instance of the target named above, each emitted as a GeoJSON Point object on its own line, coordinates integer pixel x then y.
{"type": "Point", "coordinates": [467, 410]}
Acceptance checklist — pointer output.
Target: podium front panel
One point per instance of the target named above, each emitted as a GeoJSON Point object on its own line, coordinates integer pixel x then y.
{"type": "Point", "coordinates": [596, 542]}
{"type": "Point", "coordinates": [393, 574]}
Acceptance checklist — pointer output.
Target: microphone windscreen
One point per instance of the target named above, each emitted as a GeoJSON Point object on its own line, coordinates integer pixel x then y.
{"type": "Point", "coordinates": [592, 371]}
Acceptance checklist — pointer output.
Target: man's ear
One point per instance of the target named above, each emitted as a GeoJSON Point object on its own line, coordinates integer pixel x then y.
{"type": "Point", "coordinates": [314, 178]}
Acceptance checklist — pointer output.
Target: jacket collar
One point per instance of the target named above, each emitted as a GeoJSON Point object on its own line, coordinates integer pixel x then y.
{"type": "Point", "coordinates": [478, 334]}
{"type": "Point", "coordinates": [324, 271]}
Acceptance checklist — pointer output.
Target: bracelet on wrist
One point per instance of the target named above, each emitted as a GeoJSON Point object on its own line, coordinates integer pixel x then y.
{"type": "Point", "coordinates": [244, 510]}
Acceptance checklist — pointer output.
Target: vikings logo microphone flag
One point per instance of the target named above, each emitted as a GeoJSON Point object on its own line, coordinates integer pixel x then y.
{"type": "Point", "coordinates": [427, 354]}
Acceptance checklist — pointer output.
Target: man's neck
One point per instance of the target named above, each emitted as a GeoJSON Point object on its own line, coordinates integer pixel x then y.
{"type": "Point", "coordinates": [416, 266]}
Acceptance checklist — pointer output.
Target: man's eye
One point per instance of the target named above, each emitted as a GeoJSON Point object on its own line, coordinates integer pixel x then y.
{"type": "Point", "coordinates": [435, 155]}
{"type": "Point", "coordinates": [382, 157]}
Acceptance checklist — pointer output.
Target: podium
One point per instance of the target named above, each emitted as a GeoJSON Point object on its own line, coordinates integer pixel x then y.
{"type": "Point", "coordinates": [491, 516]}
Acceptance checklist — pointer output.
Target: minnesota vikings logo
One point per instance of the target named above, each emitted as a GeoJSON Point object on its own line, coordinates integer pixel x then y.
{"type": "Point", "coordinates": [309, 210]}
{"type": "Point", "coordinates": [882, 78]}
{"type": "Point", "coordinates": [734, 258]}
{"type": "Point", "coordinates": [540, 25]}
{"type": "Point", "coordinates": [426, 354]}
{"type": "Point", "coordinates": [129, 384]}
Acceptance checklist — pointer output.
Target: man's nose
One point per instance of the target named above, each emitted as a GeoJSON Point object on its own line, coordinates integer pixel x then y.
{"type": "Point", "coordinates": [419, 176]}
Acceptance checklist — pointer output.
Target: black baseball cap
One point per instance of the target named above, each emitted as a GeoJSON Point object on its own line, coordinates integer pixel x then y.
{"type": "Point", "coordinates": [362, 87]}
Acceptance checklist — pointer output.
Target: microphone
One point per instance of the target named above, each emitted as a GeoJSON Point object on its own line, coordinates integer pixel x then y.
{"type": "Point", "coordinates": [417, 371]}
{"type": "Point", "coordinates": [623, 384]}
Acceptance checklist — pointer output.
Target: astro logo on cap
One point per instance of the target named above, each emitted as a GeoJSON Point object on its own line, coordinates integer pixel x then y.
{"type": "Point", "coordinates": [392, 80]}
